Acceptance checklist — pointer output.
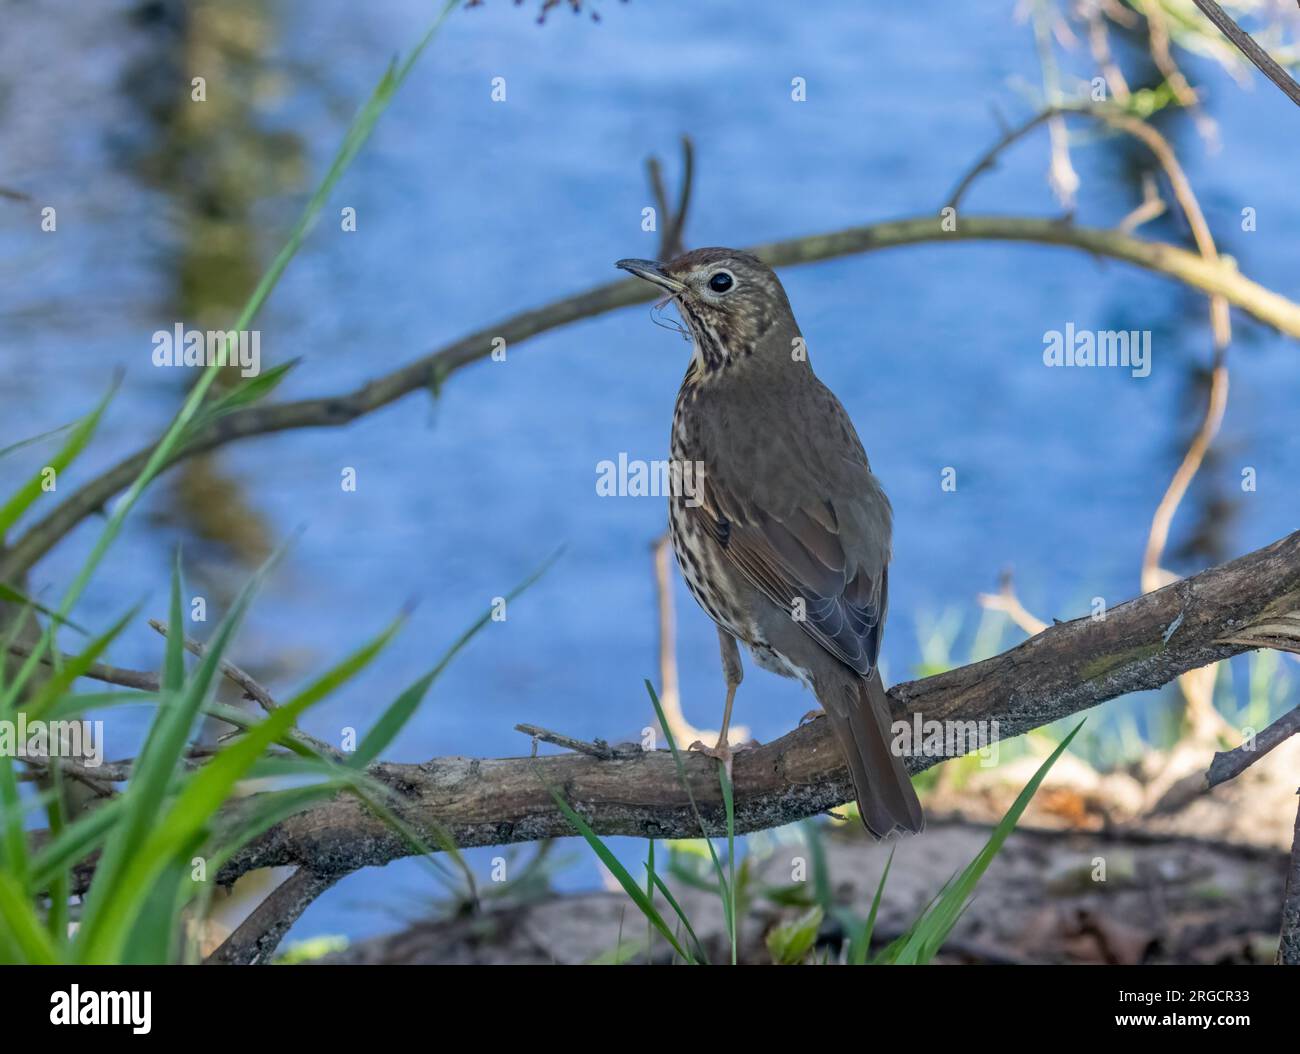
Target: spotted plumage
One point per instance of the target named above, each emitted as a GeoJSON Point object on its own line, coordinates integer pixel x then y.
{"type": "Point", "coordinates": [783, 536]}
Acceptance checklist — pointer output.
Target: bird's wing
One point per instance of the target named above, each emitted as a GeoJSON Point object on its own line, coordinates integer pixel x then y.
{"type": "Point", "coordinates": [824, 560]}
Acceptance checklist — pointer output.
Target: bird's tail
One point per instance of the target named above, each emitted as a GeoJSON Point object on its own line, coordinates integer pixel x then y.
{"type": "Point", "coordinates": [886, 799]}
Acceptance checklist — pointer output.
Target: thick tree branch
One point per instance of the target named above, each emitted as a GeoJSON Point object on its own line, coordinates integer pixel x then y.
{"type": "Point", "coordinates": [1069, 667]}
{"type": "Point", "coordinates": [1212, 277]}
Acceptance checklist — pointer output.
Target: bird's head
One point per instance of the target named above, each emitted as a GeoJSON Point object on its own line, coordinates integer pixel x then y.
{"type": "Point", "coordinates": [732, 302]}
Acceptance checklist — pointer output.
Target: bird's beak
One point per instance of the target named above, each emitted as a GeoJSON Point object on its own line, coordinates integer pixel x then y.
{"type": "Point", "coordinates": [652, 272]}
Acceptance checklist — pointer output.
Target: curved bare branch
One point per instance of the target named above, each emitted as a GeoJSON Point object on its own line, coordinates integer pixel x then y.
{"type": "Point", "coordinates": [1211, 277]}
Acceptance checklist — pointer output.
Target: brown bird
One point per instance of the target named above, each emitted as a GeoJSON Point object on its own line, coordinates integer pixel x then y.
{"type": "Point", "coordinates": [780, 528]}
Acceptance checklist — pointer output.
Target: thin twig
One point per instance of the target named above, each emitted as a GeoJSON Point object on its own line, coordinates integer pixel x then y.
{"type": "Point", "coordinates": [1061, 176]}
{"type": "Point", "coordinates": [146, 681]}
{"type": "Point", "coordinates": [250, 687]}
{"type": "Point", "coordinates": [1247, 46]}
{"type": "Point", "coordinates": [1162, 520]}
{"type": "Point", "coordinates": [1152, 206]}
{"type": "Point", "coordinates": [1138, 129]}
{"type": "Point", "coordinates": [672, 220]}
{"type": "Point", "coordinates": [1229, 764]}
{"type": "Point", "coordinates": [597, 749]}
{"type": "Point", "coordinates": [675, 240]}
{"type": "Point", "coordinates": [1158, 33]}
{"type": "Point", "coordinates": [118, 771]}
{"type": "Point", "coordinates": [1006, 601]}
{"type": "Point", "coordinates": [98, 671]}
{"type": "Point", "coordinates": [1099, 44]}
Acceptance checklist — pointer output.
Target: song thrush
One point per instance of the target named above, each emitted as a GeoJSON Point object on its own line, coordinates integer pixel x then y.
{"type": "Point", "coordinates": [780, 528]}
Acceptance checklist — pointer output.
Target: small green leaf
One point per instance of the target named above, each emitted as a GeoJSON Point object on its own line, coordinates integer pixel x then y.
{"type": "Point", "coordinates": [788, 942]}
{"type": "Point", "coordinates": [249, 391]}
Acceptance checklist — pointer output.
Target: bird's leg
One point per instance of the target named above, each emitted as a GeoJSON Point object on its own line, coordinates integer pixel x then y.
{"type": "Point", "coordinates": [811, 715]}
{"type": "Point", "coordinates": [734, 673]}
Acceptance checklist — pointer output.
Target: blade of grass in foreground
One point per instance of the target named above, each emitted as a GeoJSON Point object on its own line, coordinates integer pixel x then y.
{"type": "Point", "coordinates": [730, 902]}
{"type": "Point", "coordinates": [621, 874]}
{"type": "Point", "coordinates": [13, 596]}
{"type": "Point", "coordinates": [200, 798]}
{"type": "Point", "coordinates": [23, 498]}
{"type": "Point", "coordinates": [928, 933]}
{"type": "Point", "coordinates": [33, 440]}
{"type": "Point", "coordinates": [393, 719]}
{"type": "Point", "coordinates": [860, 939]}
{"type": "Point", "coordinates": [724, 886]}
{"type": "Point", "coordinates": [654, 880]}
{"type": "Point", "coordinates": [154, 769]}
{"type": "Point", "coordinates": [820, 870]}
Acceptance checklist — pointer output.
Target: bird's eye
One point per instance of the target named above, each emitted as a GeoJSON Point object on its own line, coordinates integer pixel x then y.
{"type": "Point", "coordinates": [721, 282]}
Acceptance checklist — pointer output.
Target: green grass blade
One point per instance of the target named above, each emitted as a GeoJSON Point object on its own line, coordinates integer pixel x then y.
{"type": "Point", "coordinates": [74, 843]}
{"type": "Point", "coordinates": [152, 940]}
{"type": "Point", "coordinates": [24, 497]}
{"type": "Point", "coordinates": [621, 874]}
{"type": "Point", "coordinates": [724, 887]}
{"type": "Point", "coordinates": [154, 770]}
{"type": "Point", "coordinates": [860, 937]}
{"type": "Point", "coordinates": [13, 596]}
{"type": "Point", "coordinates": [22, 925]}
{"type": "Point", "coordinates": [13, 842]}
{"type": "Point", "coordinates": [790, 941]}
{"type": "Point", "coordinates": [697, 947]}
{"type": "Point", "coordinates": [395, 717]}
{"type": "Point", "coordinates": [33, 440]}
{"type": "Point", "coordinates": [249, 391]}
{"type": "Point", "coordinates": [820, 870]}
{"type": "Point", "coordinates": [61, 885]}
{"type": "Point", "coordinates": [729, 902]}
{"type": "Point", "coordinates": [650, 896]}
{"type": "Point", "coordinates": [173, 678]}
{"type": "Point", "coordinates": [200, 798]}
{"type": "Point", "coordinates": [929, 932]}
{"type": "Point", "coordinates": [61, 680]}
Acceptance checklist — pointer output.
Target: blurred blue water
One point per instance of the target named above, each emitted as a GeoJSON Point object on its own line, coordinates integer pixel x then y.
{"type": "Point", "coordinates": [469, 211]}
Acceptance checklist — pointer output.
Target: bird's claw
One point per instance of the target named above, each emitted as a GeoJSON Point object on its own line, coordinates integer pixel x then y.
{"type": "Point", "coordinates": [723, 751]}
{"type": "Point", "coordinates": [811, 715]}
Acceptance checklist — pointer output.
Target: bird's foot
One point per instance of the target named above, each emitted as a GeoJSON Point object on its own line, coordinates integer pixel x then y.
{"type": "Point", "coordinates": [723, 751]}
{"type": "Point", "coordinates": [811, 715]}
